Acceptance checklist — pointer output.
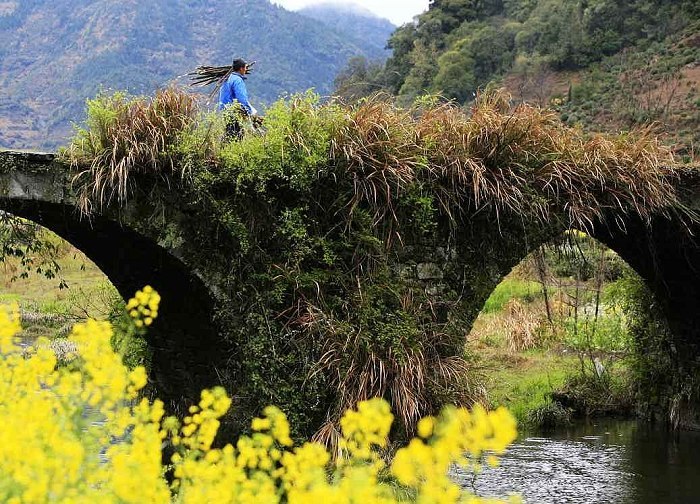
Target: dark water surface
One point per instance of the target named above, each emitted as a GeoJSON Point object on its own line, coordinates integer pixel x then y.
{"type": "Point", "coordinates": [598, 462]}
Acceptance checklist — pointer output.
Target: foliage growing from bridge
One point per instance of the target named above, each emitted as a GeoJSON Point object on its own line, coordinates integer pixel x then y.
{"type": "Point", "coordinates": [342, 240]}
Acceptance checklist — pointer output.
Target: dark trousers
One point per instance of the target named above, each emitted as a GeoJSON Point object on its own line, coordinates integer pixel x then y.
{"type": "Point", "coordinates": [234, 129]}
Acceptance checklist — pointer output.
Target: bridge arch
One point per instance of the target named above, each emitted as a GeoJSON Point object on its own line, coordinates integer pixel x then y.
{"type": "Point", "coordinates": [183, 340]}
{"type": "Point", "coordinates": [459, 264]}
{"type": "Point", "coordinates": [665, 253]}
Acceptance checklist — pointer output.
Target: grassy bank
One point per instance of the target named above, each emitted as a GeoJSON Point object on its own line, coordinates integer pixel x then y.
{"type": "Point", "coordinates": [525, 383]}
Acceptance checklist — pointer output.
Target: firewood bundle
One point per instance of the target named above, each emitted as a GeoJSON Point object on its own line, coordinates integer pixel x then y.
{"type": "Point", "coordinates": [205, 75]}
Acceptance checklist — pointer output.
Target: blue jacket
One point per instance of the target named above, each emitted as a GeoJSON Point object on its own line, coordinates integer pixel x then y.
{"type": "Point", "coordinates": [234, 90]}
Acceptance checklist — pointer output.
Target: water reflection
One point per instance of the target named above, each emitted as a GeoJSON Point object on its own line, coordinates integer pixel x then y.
{"type": "Point", "coordinates": [605, 462]}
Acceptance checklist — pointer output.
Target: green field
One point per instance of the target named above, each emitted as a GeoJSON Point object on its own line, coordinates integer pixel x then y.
{"type": "Point", "coordinates": [78, 290]}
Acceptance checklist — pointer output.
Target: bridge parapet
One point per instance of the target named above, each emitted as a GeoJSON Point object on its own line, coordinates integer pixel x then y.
{"type": "Point", "coordinates": [34, 176]}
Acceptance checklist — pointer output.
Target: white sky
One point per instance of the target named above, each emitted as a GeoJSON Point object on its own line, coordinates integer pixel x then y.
{"type": "Point", "coordinates": [396, 11]}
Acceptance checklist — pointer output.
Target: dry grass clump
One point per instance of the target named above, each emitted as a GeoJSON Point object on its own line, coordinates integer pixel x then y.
{"type": "Point", "coordinates": [521, 160]}
{"type": "Point", "coordinates": [523, 326]}
{"type": "Point", "coordinates": [408, 374]}
{"type": "Point", "coordinates": [125, 137]}
{"type": "Point", "coordinates": [377, 147]}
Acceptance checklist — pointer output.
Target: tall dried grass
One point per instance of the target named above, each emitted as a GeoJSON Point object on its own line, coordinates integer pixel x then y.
{"type": "Point", "coordinates": [126, 137]}
{"type": "Point", "coordinates": [377, 147]}
{"type": "Point", "coordinates": [523, 326]}
{"type": "Point", "coordinates": [409, 376]}
{"type": "Point", "coordinates": [520, 160]}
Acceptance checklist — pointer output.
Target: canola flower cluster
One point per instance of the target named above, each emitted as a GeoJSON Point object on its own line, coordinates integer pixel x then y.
{"type": "Point", "coordinates": [143, 307]}
{"type": "Point", "coordinates": [80, 433]}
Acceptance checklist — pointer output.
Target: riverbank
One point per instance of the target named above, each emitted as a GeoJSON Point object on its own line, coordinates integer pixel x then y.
{"type": "Point", "coordinates": [553, 340]}
{"type": "Point", "coordinates": [525, 383]}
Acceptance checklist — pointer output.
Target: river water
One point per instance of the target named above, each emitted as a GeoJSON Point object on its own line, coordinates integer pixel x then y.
{"type": "Point", "coordinates": [597, 462]}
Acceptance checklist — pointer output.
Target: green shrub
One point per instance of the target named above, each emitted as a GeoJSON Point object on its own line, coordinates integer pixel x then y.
{"type": "Point", "coordinates": [607, 333]}
{"type": "Point", "coordinates": [526, 290]}
{"type": "Point", "coordinates": [549, 416]}
{"type": "Point", "coordinates": [587, 394]}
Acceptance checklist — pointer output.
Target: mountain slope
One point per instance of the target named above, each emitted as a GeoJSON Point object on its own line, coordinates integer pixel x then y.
{"type": "Point", "coordinates": [353, 22]}
{"type": "Point", "coordinates": [604, 64]}
{"type": "Point", "coordinates": [54, 54]}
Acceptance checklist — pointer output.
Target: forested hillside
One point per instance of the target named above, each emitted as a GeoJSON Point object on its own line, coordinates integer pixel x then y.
{"type": "Point", "coordinates": [354, 22]}
{"type": "Point", "coordinates": [608, 64]}
{"type": "Point", "coordinates": [54, 54]}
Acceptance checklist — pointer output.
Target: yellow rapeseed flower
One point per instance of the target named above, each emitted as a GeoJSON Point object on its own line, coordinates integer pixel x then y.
{"type": "Point", "coordinates": [53, 451]}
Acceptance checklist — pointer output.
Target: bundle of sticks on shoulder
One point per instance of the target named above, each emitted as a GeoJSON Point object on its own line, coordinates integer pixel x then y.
{"type": "Point", "coordinates": [205, 75]}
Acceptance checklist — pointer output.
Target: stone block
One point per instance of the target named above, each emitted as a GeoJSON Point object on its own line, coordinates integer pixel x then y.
{"type": "Point", "coordinates": [429, 271]}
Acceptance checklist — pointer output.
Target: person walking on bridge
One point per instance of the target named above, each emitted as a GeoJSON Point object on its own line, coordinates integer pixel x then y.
{"type": "Point", "coordinates": [234, 102]}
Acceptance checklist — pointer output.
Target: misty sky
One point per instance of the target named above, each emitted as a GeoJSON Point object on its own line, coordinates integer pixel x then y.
{"type": "Point", "coordinates": [396, 11]}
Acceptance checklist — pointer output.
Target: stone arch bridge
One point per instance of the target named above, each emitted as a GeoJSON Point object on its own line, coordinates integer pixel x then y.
{"type": "Point", "coordinates": [185, 339]}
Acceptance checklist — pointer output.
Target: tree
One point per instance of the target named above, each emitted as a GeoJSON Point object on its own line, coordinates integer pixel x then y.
{"type": "Point", "coordinates": [359, 78]}
{"type": "Point", "coordinates": [455, 78]}
{"type": "Point", "coordinates": [399, 64]}
{"type": "Point", "coordinates": [491, 48]}
{"type": "Point", "coordinates": [422, 71]}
